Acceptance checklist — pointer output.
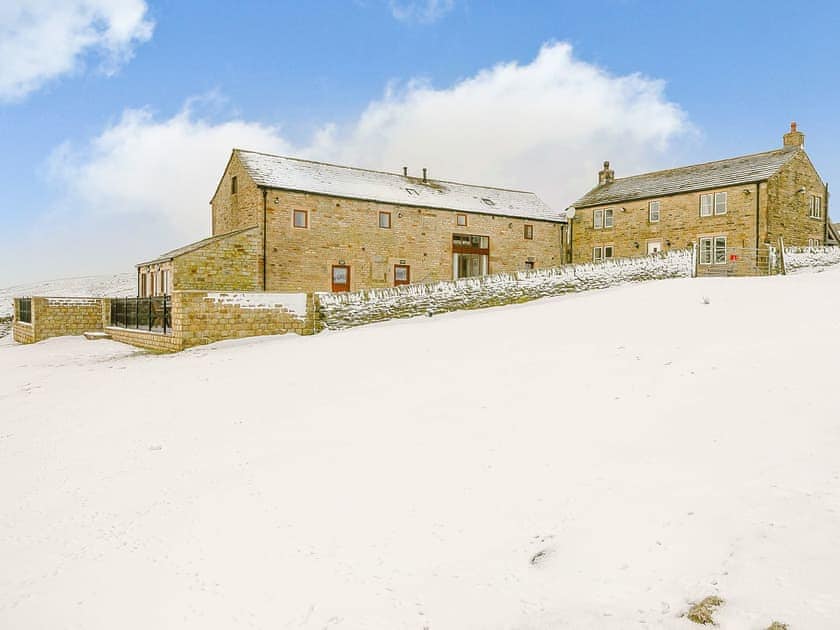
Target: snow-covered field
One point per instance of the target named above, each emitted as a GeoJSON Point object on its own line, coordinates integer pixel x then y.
{"type": "Point", "coordinates": [116, 285]}
{"type": "Point", "coordinates": [590, 461]}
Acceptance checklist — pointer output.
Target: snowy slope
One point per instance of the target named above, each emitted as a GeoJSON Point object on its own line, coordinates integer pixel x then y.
{"type": "Point", "coordinates": [589, 461]}
{"type": "Point", "coordinates": [117, 285]}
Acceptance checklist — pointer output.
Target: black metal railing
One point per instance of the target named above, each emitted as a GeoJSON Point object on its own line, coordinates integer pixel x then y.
{"type": "Point", "coordinates": [149, 313]}
{"type": "Point", "coordinates": [25, 310]}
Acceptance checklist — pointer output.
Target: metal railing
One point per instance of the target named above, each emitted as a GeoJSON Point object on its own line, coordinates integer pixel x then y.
{"type": "Point", "coordinates": [149, 313]}
{"type": "Point", "coordinates": [25, 310]}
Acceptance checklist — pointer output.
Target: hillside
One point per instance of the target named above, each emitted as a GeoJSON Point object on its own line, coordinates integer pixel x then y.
{"type": "Point", "coordinates": [596, 461]}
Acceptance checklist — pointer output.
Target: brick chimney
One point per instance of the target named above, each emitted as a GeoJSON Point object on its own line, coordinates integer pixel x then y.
{"type": "Point", "coordinates": [606, 176]}
{"type": "Point", "coordinates": [794, 138]}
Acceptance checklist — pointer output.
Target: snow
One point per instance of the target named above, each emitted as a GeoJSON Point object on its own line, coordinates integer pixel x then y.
{"type": "Point", "coordinates": [797, 258]}
{"type": "Point", "coordinates": [116, 285]}
{"type": "Point", "coordinates": [595, 460]}
{"type": "Point", "coordinates": [292, 302]}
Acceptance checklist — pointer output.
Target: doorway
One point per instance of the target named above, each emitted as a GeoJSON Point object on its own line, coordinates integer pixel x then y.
{"type": "Point", "coordinates": [340, 278]}
{"type": "Point", "coordinates": [654, 247]}
{"type": "Point", "coordinates": [402, 275]}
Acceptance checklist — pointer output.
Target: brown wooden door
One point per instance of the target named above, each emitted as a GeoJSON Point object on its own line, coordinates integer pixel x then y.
{"type": "Point", "coordinates": [402, 275]}
{"type": "Point", "coordinates": [340, 278]}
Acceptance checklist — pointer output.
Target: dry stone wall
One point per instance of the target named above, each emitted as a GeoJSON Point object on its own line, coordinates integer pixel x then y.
{"type": "Point", "coordinates": [344, 310]}
{"type": "Point", "coordinates": [797, 258]}
{"type": "Point", "coordinates": [56, 317]}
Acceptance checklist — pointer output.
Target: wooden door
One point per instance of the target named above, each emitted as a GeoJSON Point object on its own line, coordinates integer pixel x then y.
{"type": "Point", "coordinates": [402, 275]}
{"type": "Point", "coordinates": [340, 278]}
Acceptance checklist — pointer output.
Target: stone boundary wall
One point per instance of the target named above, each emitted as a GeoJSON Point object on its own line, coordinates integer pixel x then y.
{"type": "Point", "coordinates": [154, 341]}
{"type": "Point", "coordinates": [345, 310]}
{"type": "Point", "coordinates": [56, 317]}
{"type": "Point", "coordinates": [803, 257]}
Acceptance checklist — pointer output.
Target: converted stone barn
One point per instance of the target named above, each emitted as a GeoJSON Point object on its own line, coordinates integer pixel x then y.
{"type": "Point", "coordinates": [731, 210]}
{"type": "Point", "coordinates": [288, 225]}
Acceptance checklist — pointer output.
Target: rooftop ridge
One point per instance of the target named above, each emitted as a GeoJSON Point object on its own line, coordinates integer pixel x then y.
{"type": "Point", "coordinates": [370, 170]}
{"type": "Point", "coordinates": [709, 163]}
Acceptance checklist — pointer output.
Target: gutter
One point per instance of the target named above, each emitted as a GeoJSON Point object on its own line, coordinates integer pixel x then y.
{"type": "Point", "coordinates": [757, 214]}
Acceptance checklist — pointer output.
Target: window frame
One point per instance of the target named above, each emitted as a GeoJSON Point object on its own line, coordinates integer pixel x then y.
{"type": "Point", "coordinates": [383, 214]}
{"type": "Point", "coordinates": [598, 220]}
{"type": "Point", "coordinates": [711, 205]}
{"type": "Point", "coordinates": [715, 256]}
{"type": "Point", "coordinates": [528, 232]}
{"type": "Point", "coordinates": [611, 249]}
{"type": "Point", "coordinates": [295, 214]}
{"type": "Point", "coordinates": [597, 254]}
{"type": "Point", "coordinates": [725, 202]}
{"type": "Point", "coordinates": [398, 283]}
{"type": "Point", "coordinates": [234, 185]}
{"type": "Point", "coordinates": [459, 217]}
{"type": "Point", "coordinates": [609, 218]}
{"type": "Point", "coordinates": [658, 211]}
{"type": "Point", "coordinates": [815, 207]}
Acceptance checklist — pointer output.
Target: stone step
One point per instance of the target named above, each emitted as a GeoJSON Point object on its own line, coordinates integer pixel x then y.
{"type": "Point", "coordinates": [95, 335]}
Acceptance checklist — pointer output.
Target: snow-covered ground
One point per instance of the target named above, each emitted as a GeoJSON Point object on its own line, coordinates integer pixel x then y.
{"type": "Point", "coordinates": [116, 285]}
{"type": "Point", "coordinates": [594, 461]}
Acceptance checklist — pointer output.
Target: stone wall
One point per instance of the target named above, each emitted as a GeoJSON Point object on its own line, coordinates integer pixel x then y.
{"type": "Point", "coordinates": [797, 258]}
{"type": "Point", "coordinates": [344, 310]}
{"type": "Point", "coordinates": [226, 264]}
{"type": "Point", "coordinates": [56, 317]}
{"type": "Point", "coordinates": [788, 208]}
{"type": "Point", "coordinates": [233, 211]}
{"type": "Point", "coordinates": [154, 341]}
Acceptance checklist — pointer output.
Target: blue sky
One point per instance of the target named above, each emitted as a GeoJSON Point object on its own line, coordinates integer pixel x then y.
{"type": "Point", "coordinates": [117, 116]}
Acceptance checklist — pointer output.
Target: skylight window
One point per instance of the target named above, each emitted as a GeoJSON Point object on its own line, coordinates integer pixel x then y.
{"type": "Point", "coordinates": [412, 191]}
{"type": "Point", "coordinates": [488, 202]}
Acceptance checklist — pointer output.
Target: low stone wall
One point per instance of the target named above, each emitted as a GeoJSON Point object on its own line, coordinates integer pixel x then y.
{"type": "Point", "coordinates": [157, 342]}
{"type": "Point", "coordinates": [344, 310]}
{"type": "Point", "coordinates": [56, 317]}
{"type": "Point", "coordinates": [797, 258]}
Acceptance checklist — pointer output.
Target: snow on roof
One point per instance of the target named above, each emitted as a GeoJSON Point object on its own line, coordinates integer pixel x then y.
{"type": "Point", "coordinates": [274, 171]}
{"type": "Point", "coordinates": [194, 246]}
{"type": "Point", "coordinates": [730, 172]}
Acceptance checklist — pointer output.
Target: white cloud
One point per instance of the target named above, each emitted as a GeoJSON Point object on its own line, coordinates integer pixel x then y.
{"type": "Point", "coordinates": [543, 126]}
{"type": "Point", "coordinates": [423, 11]}
{"type": "Point", "coordinates": [41, 40]}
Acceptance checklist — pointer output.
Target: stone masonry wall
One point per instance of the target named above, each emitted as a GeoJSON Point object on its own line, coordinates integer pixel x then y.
{"type": "Point", "coordinates": [234, 211]}
{"type": "Point", "coordinates": [788, 208]}
{"type": "Point", "coordinates": [56, 317]}
{"type": "Point", "coordinates": [301, 259]}
{"type": "Point", "coordinates": [680, 223]}
{"type": "Point", "coordinates": [344, 310]}
{"type": "Point", "coordinates": [229, 264]}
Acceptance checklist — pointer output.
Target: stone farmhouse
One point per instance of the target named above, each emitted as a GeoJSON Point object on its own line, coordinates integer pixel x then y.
{"type": "Point", "coordinates": [282, 224]}
{"type": "Point", "coordinates": [732, 210]}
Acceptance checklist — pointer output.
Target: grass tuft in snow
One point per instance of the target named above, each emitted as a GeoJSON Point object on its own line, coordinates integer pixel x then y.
{"type": "Point", "coordinates": [777, 625]}
{"type": "Point", "coordinates": [703, 612]}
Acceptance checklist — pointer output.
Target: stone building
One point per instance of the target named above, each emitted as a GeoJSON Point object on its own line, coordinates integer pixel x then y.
{"type": "Point", "coordinates": [288, 225]}
{"type": "Point", "coordinates": [730, 209]}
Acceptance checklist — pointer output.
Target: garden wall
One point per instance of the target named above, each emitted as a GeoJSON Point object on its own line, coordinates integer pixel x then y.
{"type": "Point", "coordinates": [55, 317]}
{"type": "Point", "coordinates": [344, 310]}
{"type": "Point", "coordinates": [803, 257]}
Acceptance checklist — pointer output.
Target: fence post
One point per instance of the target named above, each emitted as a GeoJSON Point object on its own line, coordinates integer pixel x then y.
{"type": "Point", "coordinates": [694, 260]}
{"type": "Point", "coordinates": [782, 255]}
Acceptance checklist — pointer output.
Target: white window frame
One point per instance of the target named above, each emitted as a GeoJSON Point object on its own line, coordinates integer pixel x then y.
{"type": "Point", "coordinates": [597, 254]}
{"type": "Point", "coordinates": [814, 242]}
{"type": "Point", "coordinates": [598, 219]}
{"type": "Point", "coordinates": [653, 211]}
{"type": "Point", "coordinates": [718, 197]}
{"type": "Point", "coordinates": [706, 209]}
{"type": "Point", "coordinates": [715, 254]}
{"type": "Point", "coordinates": [608, 218]}
{"type": "Point", "coordinates": [815, 207]}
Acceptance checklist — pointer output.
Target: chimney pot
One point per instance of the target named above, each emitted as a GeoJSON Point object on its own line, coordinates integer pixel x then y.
{"type": "Point", "coordinates": [794, 137]}
{"type": "Point", "coordinates": [405, 171]}
{"type": "Point", "coordinates": [424, 174]}
{"type": "Point", "coordinates": [793, 126]}
{"type": "Point", "coordinates": [606, 175]}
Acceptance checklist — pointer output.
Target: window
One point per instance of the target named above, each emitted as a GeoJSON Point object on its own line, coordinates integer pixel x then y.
{"type": "Point", "coordinates": [814, 242]}
{"type": "Point", "coordinates": [412, 192]}
{"type": "Point", "coordinates": [608, 251]}
{"type": "Point", "coordinates": [706, 205]}
{"type": "Point", "coordinates": [608, 218]}
{"type": "Point", "coordinates": [142, 289]}
{"type": "Point", "coordinates": [598, 219]}
{"type": "Point", "coordinates": [713, 250]}
{"type": "Point", "coordinates": [461, 220]}
{"type": "Point", "coordinates": [233, 185]}
{"type": "Point", "coordinates": [529, 264]}
{"type": "Point", "coordinates": [488, 202]}
{"type": "Point", "coordinates": [653, 212]}
{"type": "Point", "coordinates": [385, 220]}
{"type": "Point", "coordinates": [720, 203]}
{"type": "Point", "coordinates": [597, 253]}
{"type": "Point", "coordinates": [301, 218]}
{"type": "Point", "coordinates": [529, 232]}
{"type": "Point", "coordinates": [815, 207]}
{"type": "Point", "coordinates": [167, 281]}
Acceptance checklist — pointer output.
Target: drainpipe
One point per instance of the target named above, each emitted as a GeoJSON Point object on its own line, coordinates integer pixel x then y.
{"type": "Point", "coordinates": [757, 235]}
{"type": "Point", "coordinates": [265, 205]}
{"type": "Point", "coordinates": [138, 281]}
{"type": "Point", "coordinates": [825, 215]}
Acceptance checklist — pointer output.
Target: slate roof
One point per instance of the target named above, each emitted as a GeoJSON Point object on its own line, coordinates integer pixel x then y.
{"type": "Point", "coordinates": [744, 169]}
{"type": "Point", "coordinates": [274, 171]}
{"type": "Point", "coordinates": [194, 246]}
